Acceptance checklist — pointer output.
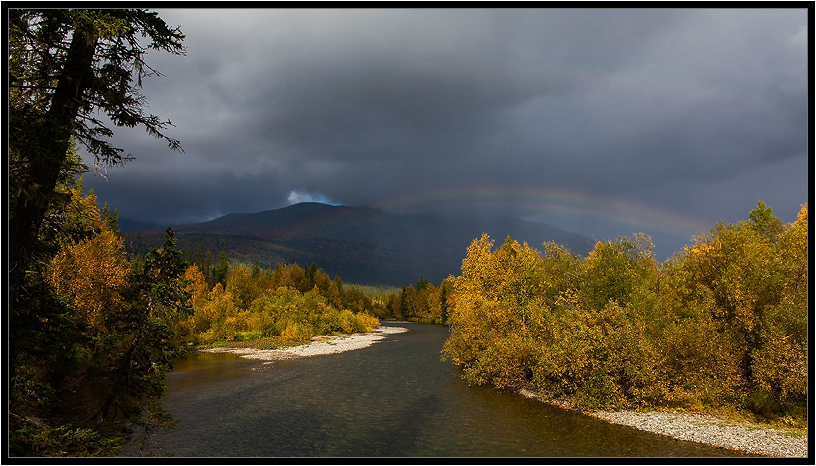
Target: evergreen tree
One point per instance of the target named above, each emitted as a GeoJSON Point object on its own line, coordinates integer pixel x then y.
{"type": "Point", "coordinates": [64, 67]}
{"type": "Point", "coordinates": [422, 283]}
{"type": "Point", "coordinates": [221, 268]}
{"type": "Point", "coordinates": [207, 268]}
{"type": "Point", "coordinates": [764, 221]}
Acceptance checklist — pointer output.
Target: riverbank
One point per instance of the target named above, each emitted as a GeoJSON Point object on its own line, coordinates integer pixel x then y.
{"type": "Point", "coordinates": [705, 428]}
{"type": "Point", "coordinates": [708, 429]}
{"type": "Point", "coordinates": [320, 345]}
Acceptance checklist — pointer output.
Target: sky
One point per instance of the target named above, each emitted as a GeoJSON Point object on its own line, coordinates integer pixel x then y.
{"type": "Point", "coordinates": [601, 122]}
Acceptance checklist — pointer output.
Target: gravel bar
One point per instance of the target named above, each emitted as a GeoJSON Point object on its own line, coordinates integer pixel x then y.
{"type": "Point", "coordinates": [706, 428]}
{"type": "Point", "coordinates": [328, 344]}
{"type": "Point", "coordinates": [715, 431]}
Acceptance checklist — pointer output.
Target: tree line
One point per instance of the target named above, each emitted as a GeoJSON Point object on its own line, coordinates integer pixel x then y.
{"type": "Point", "coordinates": [423, 302]}
{"type": "Point", "coordinates": [721, 325]}
{"type": "Point", "coordinates": [281, 306]}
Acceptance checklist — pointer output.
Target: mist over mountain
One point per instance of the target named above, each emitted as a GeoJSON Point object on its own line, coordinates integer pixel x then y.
{"type": "Point", "coordinates": [361, 245]}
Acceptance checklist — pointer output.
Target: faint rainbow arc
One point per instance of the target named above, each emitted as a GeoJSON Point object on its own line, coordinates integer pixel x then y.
{"type": "Point", "coordinates": [551, 200]}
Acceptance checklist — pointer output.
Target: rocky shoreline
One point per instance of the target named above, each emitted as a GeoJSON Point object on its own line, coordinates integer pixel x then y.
{"type": "Point", "coordinates": [704, 428]}
{"type": "Point", "coordinates": [328, 344]}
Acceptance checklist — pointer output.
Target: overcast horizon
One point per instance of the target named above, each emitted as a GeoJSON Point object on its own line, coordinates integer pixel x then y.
{"type": "Point", "coordinates": [599, 122]}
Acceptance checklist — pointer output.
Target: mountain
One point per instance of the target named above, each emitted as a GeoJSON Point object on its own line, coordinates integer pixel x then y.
{"type": "Point", "coordinates": [126, 224]}
{"type": "Point", "coordinates": [362, 245]}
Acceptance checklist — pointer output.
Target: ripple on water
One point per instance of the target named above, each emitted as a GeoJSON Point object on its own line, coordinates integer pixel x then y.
{"type": "Point", "coordinates": [394, 398]}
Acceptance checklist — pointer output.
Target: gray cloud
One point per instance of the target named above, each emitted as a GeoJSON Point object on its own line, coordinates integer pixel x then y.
{"type": "Point", "coordinates": [661, 114]}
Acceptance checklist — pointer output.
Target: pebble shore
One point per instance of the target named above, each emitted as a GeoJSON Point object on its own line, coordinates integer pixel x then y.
{"type": "Point", "coordinates": [708, 429]}
{"type": "Point", "coordinates": [715, 431]}
{"type": "Point", "coordinates": [329, 344]}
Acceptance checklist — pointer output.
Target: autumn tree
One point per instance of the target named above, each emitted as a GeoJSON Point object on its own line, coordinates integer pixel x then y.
{"type": "Point", "coordinates": [198, 285]}
{"type": "Point", "coordinates": [722, 323]}
{"type": "Point", "coordinates": [614, 269]}
{"type": "Point", "coordinates": [93, 272]}
{"type": "Point", "coordinates": [243, 286]}
{"type": "Point", "coordinates": [493, 304]}
{"type": "Point", "coordinates": [156, 299]}
{"type": "Point", "coordinates": [748, 277]}
{"type": "Point", "coordinates": [66, 66]}
{"type": "Point", "coordinates": [105, 328]}
{"type": "Point", "coordinates": [780, 365]}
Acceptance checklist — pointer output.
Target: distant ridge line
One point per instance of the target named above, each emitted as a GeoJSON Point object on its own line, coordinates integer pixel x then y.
{"type": "Point", "coordinates": [360, 244]}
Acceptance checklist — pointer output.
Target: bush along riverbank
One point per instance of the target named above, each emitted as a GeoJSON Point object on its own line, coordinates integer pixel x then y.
{"type": "Point", "coordinates": [721, 327]}
{"type": "Point", "coordinates": [269, 309]}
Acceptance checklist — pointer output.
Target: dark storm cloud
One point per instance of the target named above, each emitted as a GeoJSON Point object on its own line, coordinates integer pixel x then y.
{"type": "Point", "coordinates": [693, 113]}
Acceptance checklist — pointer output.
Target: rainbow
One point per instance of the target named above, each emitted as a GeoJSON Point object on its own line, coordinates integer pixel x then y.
{"type": "Point", "coordinates": [540, 203]}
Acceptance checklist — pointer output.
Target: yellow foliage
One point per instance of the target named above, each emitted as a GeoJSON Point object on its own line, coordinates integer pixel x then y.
{"type": "Point", "coordinates": [284, 311]}
{"type": "Point", "coordinates": [368, 322]}
{"type": "Point", "coordinates": [724, 322]}
{"type": "Point", "coordinates": [92, 272]}
{"type": "Point", "coordinates": [296, 332]}
{"type": "Point", "coordinates": [780, 366]}
{"type": "Point", "coordinates": [243, 287]}
{"type": "Point", "coordinates": [198, 285]}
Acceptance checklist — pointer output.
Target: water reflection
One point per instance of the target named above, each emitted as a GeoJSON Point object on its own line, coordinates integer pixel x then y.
{"type": "Point", "coordinates": [395, 398]}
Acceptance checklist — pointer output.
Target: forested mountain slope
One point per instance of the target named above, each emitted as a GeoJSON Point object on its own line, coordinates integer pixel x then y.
{"type": "Point", "coordinates": [361, 245]}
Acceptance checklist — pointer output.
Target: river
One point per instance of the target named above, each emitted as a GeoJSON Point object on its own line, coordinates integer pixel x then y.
{"type": "Point", "coordinates": [396, 398]}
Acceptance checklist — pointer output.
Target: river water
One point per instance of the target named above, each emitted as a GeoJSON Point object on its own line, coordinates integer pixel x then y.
{"type": "Point", "coordinates": [396, 398]}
